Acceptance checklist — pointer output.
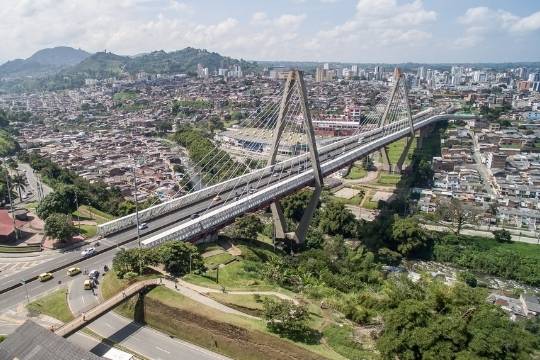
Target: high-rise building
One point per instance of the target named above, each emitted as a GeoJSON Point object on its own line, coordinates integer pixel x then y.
{"type": "Point", "coordinates": [354, 69]}
{"type": "Point", "coordinates": [326, 66]}
{"type": "Point", "coordinates": [522, 73]}
{"type": "Point", "coordinates": [378, 72]}
{"type": "Point", "coordinates": [421, 73]}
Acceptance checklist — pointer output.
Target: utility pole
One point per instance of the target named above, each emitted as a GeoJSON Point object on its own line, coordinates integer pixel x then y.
{"type": "Point", "coordinates": [136, 204]}
{"type": "Point", "coordinates": [77, 205]}
{"type": "Point", "coordinates": [190, 255]}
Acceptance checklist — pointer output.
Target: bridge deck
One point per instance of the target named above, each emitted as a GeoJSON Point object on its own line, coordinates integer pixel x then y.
{"type": "Point", "coordinates": [86, 318]}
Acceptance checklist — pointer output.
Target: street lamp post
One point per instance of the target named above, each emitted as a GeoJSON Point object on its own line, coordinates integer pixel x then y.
{"type": "Point", "coordinates": [78, 217]}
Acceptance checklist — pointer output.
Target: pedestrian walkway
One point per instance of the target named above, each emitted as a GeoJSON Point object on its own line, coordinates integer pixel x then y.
{"type": "Point", "coordinates": [83, 319]}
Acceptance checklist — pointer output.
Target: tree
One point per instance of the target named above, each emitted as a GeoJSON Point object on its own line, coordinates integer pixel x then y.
{"type": "Point", "coordinates": [247, 227]}
{"type": "Point", "coordinates": [20, 183]}
{"type": "Point", "coordinates": [61, 201]}
{"type": "Point", "coordinates": [457, 213]}
{"type": "Point", "coordinates": [134, 260]}
{"type": "Point", "coordinates": [440, 322]}
{"type": "Point", "coordinates": [176, 257]}
{"type": "Point", "coordinates": [408, 236]}
{"type": "Point", "coordinates": [502, 236]}
{"type": "Point", "coordinates": [295, 204]}
{"type": "Point", "coordinates": [336, 219]}
{"type": "Point", "coordinates": [60, 226]}
{"type": "Point", "coordinates": [286, 319]}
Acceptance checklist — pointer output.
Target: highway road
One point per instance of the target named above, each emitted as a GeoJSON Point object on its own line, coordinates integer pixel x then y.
{"type": "Point", "coordinates": [140, 339]}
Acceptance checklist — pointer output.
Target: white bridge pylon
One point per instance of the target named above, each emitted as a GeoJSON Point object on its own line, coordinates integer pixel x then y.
{"type": "Point", "coordinates": [295, 84]}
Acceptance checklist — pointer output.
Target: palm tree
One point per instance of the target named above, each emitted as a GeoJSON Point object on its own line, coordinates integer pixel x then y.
{"type": "Point", "coordinates": [20, 182]}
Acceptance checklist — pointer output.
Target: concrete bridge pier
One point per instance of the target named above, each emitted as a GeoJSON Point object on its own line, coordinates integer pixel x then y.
{"type": "Point", "coordinates": [399, 166]}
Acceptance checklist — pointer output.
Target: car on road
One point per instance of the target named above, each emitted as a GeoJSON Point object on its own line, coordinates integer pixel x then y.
{"type": "Point", "coordinates": [73, 271]}
{"type": "Point", "coordinates": [45, 276]}
{"type": "Point", "coordinates": [88, 284]}
{"type": "Point", "coordinates": [217, 198]}
{"type": "Point", "coordinates": [94, 274]}
{"type": "Point", "coordinates": [275, 175]}
{"type": "Point", "coordinates": [194, 216]}
{"type": "Point", "coordinates": [143, 226]}
{"type": "Point", "coordinates": [88, 251]}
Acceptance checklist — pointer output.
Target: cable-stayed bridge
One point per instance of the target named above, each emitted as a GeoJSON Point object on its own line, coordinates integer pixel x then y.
{"type": "Point", "coordinates": [232, 183]}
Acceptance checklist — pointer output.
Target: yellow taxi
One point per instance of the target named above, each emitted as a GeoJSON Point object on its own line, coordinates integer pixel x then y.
{"type": "Point", "coordinates": [73, 271]}
{"type": "Point", "coordinates": [88, 284]}
{"type": "Point", "coordinates": [45, 277]}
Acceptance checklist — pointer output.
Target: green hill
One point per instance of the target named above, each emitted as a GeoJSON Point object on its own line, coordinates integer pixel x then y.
{"type": "Point", "coordinates": [184, 61]}
{"type": "Point", "coordinates": [100, 65]}
{"type": "Point", "coordinates": [42, 62]}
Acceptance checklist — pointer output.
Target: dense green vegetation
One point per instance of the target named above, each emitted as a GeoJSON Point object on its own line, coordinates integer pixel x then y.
{"type": "Point", "coordinates": [8, 145]}
{"type": "Point", "coordinates": [178, 258]}
{"type": "Point", "coordinates": [518, 261]}
{"type": "Point", "coordinates": [434, 321]}
{"type": "Point", "coordinates": [214, 168]}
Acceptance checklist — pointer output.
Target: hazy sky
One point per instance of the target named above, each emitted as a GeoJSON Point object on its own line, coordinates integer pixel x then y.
{"type": "Point", "coordinates": [321, 30]}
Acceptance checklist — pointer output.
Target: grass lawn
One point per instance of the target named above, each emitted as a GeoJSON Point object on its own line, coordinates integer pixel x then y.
{"type": "Point", "coordinates": [86, 212]}
{"type": "Point", "coordinates": [249, 303]}
{"type": "Point", "coordinates": [396, 148]}
{"type": "Point", "coordinates": [355, 200]}
{"type": "Point", "coordinates": [19, 249]}
{"type": "Point", "coordinates": [89, 231]}
{"type": "Point", "coordinates": [233, 276]}
{"type": "Point", "coordinates": [356, 173]}
{"type": "Point", "coordinates": [54, 305]}
{"type": "Point", "coordinates": [222, 258]}
{"type": "Point", "coordinates": [388, 179]}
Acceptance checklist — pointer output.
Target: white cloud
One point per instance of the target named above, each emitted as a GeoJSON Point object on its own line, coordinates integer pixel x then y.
{"type": "Point", "coordinates": [289, 21]}
{"type": "Point", "coordinates": [377, 24]}
{"type": "Point", "coordinates": [482, 22]}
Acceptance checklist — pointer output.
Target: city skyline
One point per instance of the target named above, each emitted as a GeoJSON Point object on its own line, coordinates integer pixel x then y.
{"type": "Point", "coordinates": [364, 31]}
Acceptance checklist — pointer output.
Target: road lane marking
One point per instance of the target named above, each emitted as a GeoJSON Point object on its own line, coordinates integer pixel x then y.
{"type": "Point", "coordinates": [160, 349]}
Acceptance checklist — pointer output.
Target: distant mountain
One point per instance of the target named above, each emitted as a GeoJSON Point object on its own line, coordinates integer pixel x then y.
{"type": "Point", "coordinates": [59, 56]}
{"type": "Point", "coordinates": [51, 71]}
{"type": "Point", "coordinates": [43, 62]}
{"type": "Point", "coordinates": [183, 61]}
{"type": "Point", "coordinates": [99, 65]}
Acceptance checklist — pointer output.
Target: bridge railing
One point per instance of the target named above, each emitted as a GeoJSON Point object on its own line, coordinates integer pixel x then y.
{"type": "Point", "coordinates": [158, 210]}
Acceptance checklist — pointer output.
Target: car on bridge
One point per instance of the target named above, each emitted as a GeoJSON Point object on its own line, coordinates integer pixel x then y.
{"type": "Point", "coordinates": [45, 276]}
{"type": "Point", "coordinates": [143, 226]}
